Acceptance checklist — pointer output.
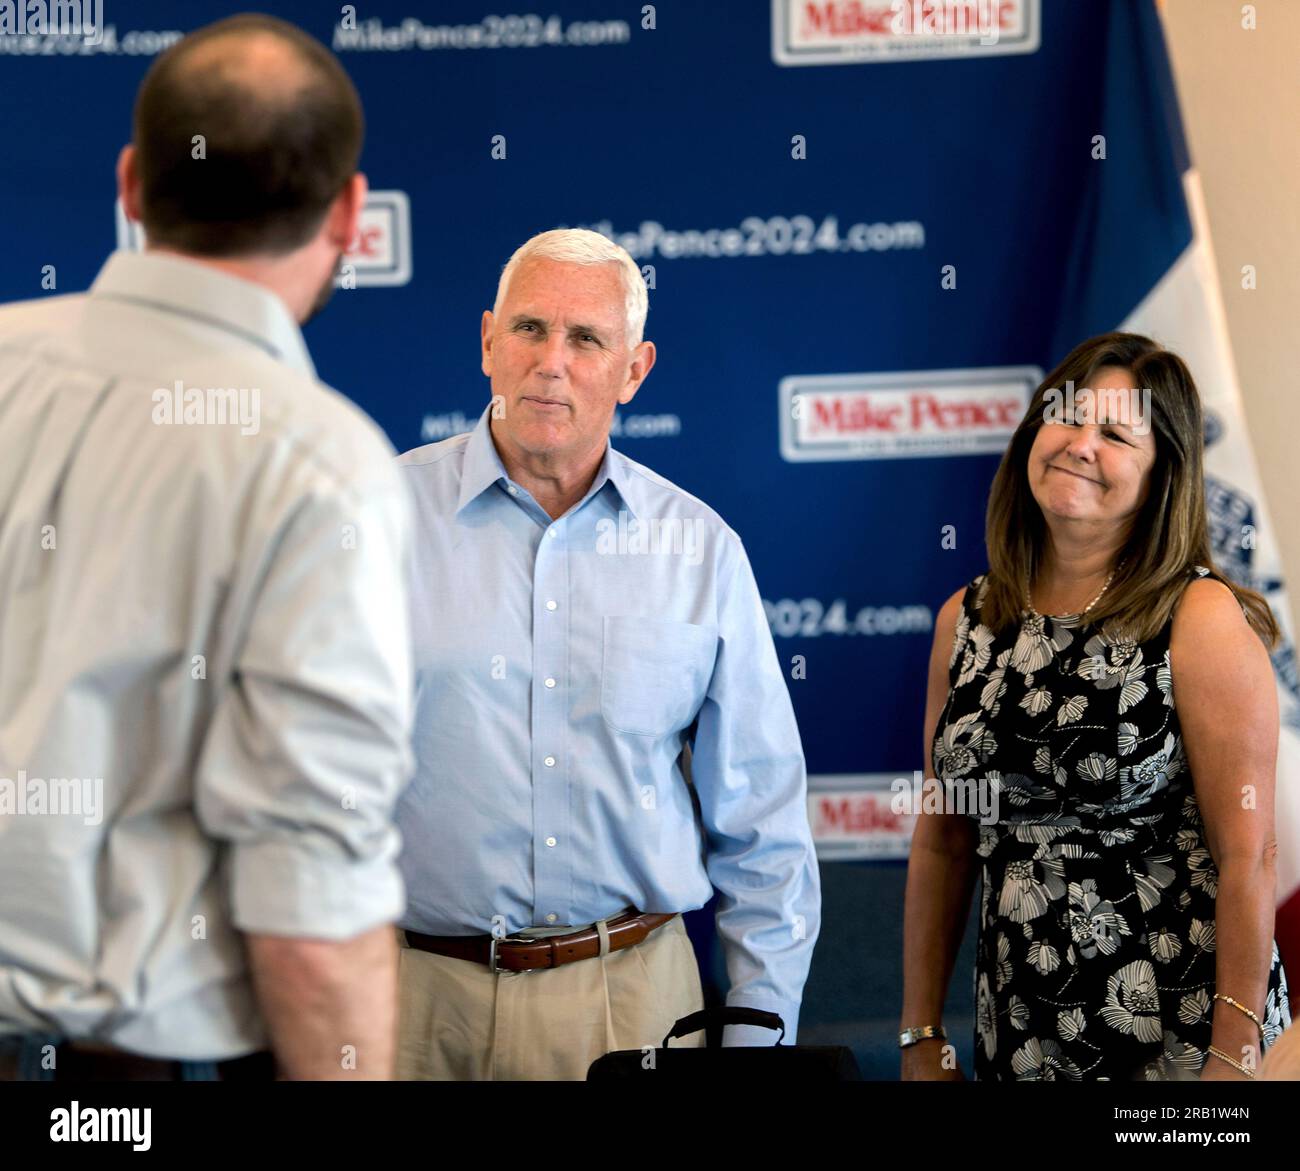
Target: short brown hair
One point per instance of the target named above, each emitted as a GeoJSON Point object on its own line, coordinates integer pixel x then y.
{"type": "Point", "coordinates": [1169, 535]}
{"type": "Point", "coordinates": [272, 165]}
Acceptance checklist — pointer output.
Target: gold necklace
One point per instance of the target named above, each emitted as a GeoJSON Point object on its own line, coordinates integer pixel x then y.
{"type": "Point", "coordinates": [1029, 602]}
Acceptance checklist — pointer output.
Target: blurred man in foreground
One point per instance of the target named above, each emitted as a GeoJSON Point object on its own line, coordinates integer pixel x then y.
{"type": "Point", "coordinates": [204, 657]}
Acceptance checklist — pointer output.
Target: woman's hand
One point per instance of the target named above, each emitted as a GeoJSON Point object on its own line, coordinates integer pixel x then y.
{"type": "Point", "coordinates": [1217, 1070]}
{"type": "Point", "coordinates": [924, 1062]}
{"type": "Point", "coordinates": [941, 873]}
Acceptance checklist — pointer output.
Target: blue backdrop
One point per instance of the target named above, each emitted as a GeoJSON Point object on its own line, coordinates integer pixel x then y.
{"type": "Point", "coordinates": [984, 160]}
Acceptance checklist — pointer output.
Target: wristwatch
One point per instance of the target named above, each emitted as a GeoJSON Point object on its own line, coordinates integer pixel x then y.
{"type": "Point", "coordinates": [910, 1037]}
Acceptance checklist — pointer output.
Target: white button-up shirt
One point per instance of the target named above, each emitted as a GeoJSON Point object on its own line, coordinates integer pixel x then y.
{"type": "Point", "coordinates": [204, 657]}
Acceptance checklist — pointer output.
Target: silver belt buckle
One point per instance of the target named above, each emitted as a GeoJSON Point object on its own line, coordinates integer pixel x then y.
{"type": "Point", "coordinates": [492, 955]}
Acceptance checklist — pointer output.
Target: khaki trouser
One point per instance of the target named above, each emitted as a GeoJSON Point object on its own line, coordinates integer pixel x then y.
{"type": "Point", "coordinates": [461, 1022]}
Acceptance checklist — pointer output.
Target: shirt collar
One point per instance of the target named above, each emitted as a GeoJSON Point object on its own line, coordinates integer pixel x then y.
{"type": "Point", "coordinates": [174, 284]}
{"type": "Point", "coordinates": [483, 467]}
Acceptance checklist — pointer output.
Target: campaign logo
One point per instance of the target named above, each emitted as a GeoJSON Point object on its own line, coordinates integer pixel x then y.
{"type": "Point", "coordinates": [846, 32]}
{"type": "Point", "coordinates": [380, 255]}
{"type": "Point", "coordinates": [855, 815]}
{"type": "Point", "coordinates": [918, 413]}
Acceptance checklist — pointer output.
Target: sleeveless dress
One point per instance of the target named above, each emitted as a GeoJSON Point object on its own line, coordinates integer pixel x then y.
{"type": "Point", "coordinates": [1096, 949]}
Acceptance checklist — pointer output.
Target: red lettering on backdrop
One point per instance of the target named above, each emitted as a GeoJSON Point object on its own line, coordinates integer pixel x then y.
{"type": "Point", "coordinates": [846, 19]}
{"type": "Point", "coordinates": [856, 815]}
{"type": "Point", "coordinates": [923, 406]}
{"type": "Point", "coordinates": [366, 243]}
{"type": "Point", "coordinates": [854, 414]}
{"type": "Point", "coordinates": [929, 408]}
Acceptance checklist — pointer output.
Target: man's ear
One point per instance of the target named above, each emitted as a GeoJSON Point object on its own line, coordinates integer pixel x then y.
{"type": "Point", "coordinates": [485, 331]}
{"type": "Point", "coordinates": [643, 358]}
{"type": "Point", "coordinates": [343, 221]}
{"type": "Point", "coordinates": [128, 183]}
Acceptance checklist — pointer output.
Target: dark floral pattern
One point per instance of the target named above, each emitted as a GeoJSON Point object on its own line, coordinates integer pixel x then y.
{"type": "Point", "coordinates": [1096, 944]}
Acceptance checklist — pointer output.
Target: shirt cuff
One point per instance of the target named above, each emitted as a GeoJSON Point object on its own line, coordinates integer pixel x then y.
{"type": "Point", "coordinates": [277, 889]}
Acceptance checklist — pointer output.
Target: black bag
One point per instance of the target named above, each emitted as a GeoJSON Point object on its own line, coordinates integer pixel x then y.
{"type": "Point", "coordinates": [808, 1063]}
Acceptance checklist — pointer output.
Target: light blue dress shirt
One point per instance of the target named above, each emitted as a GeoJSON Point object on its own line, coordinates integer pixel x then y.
{"type": "Point", "coordinates": [561, 667]}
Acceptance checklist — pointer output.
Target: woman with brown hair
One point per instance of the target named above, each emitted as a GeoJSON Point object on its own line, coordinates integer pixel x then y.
{"type": "Point", "coordinates": [1126, 915]}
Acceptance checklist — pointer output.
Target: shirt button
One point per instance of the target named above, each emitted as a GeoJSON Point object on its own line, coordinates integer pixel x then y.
{"type": "Point", "coordinates": [550, 841]}
{"type": "Point", "coordinates": [513, 490]}
{"type": "Point", "coordinates": [552, 917]}
{"type": "Point", "coordinates": [550, 605]}
{"type": "Point", "coordinates": [549, 762]}
{"type": "Point", "coordinates": [552, 532]}
{"type": "Point", "coordinates": [550, 683]}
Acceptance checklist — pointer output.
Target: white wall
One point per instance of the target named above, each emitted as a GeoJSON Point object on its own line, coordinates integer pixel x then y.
{"type": "Point", "coordinates": [1240, 95]}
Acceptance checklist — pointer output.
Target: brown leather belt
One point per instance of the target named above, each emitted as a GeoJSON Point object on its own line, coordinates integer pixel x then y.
{"type": "Point", "coordinates": [516, 954]}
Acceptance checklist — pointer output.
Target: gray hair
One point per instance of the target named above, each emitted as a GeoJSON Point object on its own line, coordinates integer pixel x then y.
{"type": "Point", "coordinates": [580, 246]}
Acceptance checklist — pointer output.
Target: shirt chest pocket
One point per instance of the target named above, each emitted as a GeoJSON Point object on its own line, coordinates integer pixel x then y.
{"type": "Point", "coordinates": [654, 674]}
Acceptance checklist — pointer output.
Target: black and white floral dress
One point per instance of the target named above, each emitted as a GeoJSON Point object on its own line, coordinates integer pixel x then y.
{"type": "Point", "coordinates": [1096, 944]}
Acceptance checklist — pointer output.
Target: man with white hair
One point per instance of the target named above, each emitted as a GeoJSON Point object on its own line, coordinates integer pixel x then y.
{"type": "Point", "coordinates": [603, 734]}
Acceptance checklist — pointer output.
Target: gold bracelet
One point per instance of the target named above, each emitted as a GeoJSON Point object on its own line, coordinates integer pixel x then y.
{"type": "Point", "coordinates": [1222, 1056]}
{"type": "Point", "coordinates": [914, 1036]}
{"type": "Point", "coordinates": [1242, 1008]}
